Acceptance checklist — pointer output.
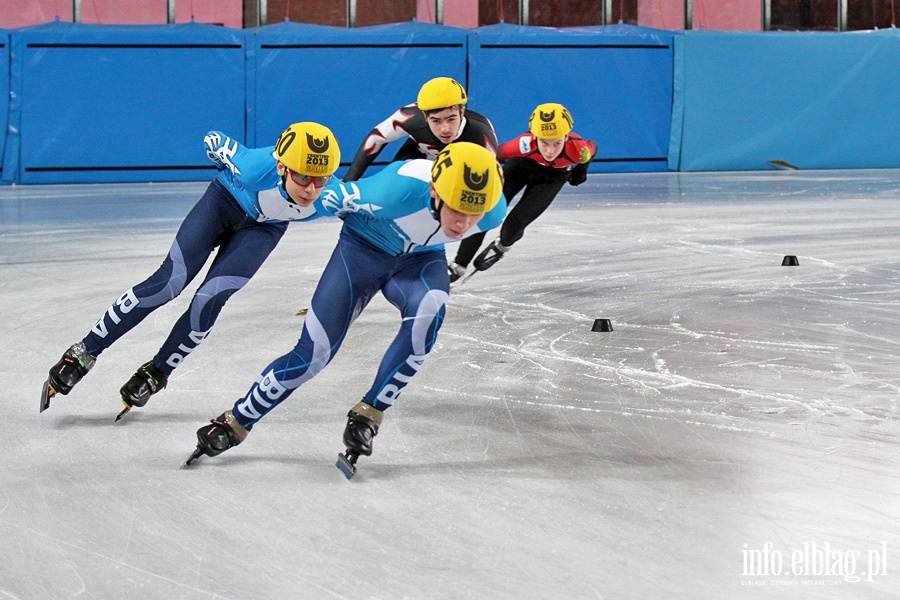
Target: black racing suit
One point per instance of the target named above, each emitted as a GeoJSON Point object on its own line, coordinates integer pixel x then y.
{"type": "Point", "coordinates": [410, 122]}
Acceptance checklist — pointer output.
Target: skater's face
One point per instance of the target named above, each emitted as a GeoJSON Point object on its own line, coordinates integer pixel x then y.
{"type": "Point", "coordinates": [551, 149]}
{"type": "Point", "coordinates": [301, 190]}
{"type": "Point", "coordinates": [454, 223]}
{"type": "Point", "coordinates": [445, 123]}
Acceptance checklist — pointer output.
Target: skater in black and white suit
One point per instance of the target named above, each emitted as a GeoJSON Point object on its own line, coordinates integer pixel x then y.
{"type": "Point", "coordinates": [438, 117]}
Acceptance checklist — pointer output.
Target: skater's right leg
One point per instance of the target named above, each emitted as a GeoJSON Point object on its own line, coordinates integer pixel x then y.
{"type": "Point", "coordinates": [145, 382]}
{"type": "Point", "coordinates": [343, 291]}
{"type": "Point", "coordinates": [224, 432]}
{"type": "Point", "coordinates": [213, 214]}
{"type": "Point", "coordinates": [195, 240]}
{"type": "Point", "coordinates": [363, 422]}
{"type": "Point", "coordinates": [467, 250]}
{"type": "Point", "coordinates": [241, 254]}
{"type": "Point", "coordinates": [71, 368]}
{"type": "Point", "coordinates": [516, 174]}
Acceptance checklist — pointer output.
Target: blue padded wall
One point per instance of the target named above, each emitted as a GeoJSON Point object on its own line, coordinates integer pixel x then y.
{"type": "Point", "coordinates": [347, 79]}
{"type": "Point", "coordinates": [615, 80]}
{"type": "Point", "coordinates": [83, 103]}
{"type": "Point", "coordinates": [122, 103]}
{"type": "Point", "coordinates": [814, 100]}
{"type": "Point", "coordinates": [4, 98]}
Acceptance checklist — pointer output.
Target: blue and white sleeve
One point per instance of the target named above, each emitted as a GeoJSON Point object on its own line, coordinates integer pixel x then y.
{"type": "Point", "coordinates": [220, 149]}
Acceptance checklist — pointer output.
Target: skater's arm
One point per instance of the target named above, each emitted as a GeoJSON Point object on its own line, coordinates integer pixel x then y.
{"type": "Point", "coordinates": [582, 152]}
{"type": "Point", "coordinates": [521, 145]}
{"type": "Point", "coordinates": [384, 195]}
{"type": "Point", "coordinates": [389, 130]}
{"type": "Point", "coordinates": [220, 149]}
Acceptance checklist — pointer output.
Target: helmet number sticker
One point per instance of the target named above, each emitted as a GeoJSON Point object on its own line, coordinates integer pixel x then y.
{"type": "Point", "coordinates": [443, 160]}
{"type": "Point", "coordinates": [285, 142]}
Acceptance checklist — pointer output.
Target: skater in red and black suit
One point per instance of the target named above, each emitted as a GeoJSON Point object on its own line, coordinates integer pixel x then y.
{"type": "Point", "coordinates": [439, 116]}
{"type": "Point", "coordinates": [540, 160]}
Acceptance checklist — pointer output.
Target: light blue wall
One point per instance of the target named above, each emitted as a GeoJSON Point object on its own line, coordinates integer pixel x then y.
{"type": "Point", "coordinates": [814, 100]}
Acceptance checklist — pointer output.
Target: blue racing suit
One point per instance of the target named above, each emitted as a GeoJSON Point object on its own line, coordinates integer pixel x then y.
{"type": "Point", "coordinates": [391, 242]}
{"type": "Point", "coordinates": [244, 212]}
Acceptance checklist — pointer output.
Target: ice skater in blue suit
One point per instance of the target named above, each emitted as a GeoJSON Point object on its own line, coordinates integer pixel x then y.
{"type": "Point", "coordinates": [392, 241]}
{"type": "Point", "coordinates": [244, 213]}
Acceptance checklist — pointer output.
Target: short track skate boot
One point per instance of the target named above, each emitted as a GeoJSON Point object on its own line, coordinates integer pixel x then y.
{"type": "Point", "coordinates": [212, 440]}
{"type": "Point", "coordinates": [71, 368]}
{"type": "Point", "coordinates": [490, 255]}
{"type": "Point", "coordinates": [363, 422]}
{"type": "Point", "coordinates": [456, 271]}
{"type": "Point", "coordinates": [145, 382]}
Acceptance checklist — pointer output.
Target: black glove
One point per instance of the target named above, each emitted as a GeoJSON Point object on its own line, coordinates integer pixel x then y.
{"type": "Point", "coordinates": [578, 175]}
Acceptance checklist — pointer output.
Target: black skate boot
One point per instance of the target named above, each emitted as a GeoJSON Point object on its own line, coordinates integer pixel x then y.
{"type": "Point", "coordinates": [456, 271]}
{"type": "Point", "coordinates": [490, 255]}
{"type": "Point", "coordinates": [363, 422]}
{"type": "Point", "coordinates": [145, 382]}
{"type": "Point", "coordinates": [71, 368]}
{"type": "Point", "coordinates": [212, 440]}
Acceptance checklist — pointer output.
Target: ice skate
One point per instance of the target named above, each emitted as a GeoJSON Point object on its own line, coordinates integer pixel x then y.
{"type": "Point", "coordinates": [223, 433]}
{"type": "Point", "coordinates": [490, 255]}
{"type": "Point", "coordinates": [71, 368]}
{"type": "Point", "coordinates": [456, 271]}
{"type": "Point", "coordinates": [145, 382]}
{"type": "Point", "coordinates": [363, 422]}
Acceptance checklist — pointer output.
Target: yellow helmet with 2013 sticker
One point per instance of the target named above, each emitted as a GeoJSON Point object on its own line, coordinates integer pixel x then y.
{"type": "Point", "coordinates": [468, 178]}
{"type": "Point", "coordinates": [441, 92]}
{"type": "Point", "coordinates": [309, 149]}
{"type": "Point", "coordinates": [550, 121]}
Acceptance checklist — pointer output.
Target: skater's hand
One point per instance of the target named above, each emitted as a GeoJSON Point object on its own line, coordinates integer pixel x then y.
{"type": "Point", "coordinates": [578, 176]}
{"type": "Point", "coordinates": [212, 143]}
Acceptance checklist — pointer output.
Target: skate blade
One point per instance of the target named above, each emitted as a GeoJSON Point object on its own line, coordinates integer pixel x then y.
{"type": "Point", "coordinates": [345, 464]}
{"type": "Point", "coordinates": [197, 453]}
{"type": "Point", "coordinates": [462, 279]}
{"type": "Point", "coordinates": [47, 392]}
{"type": "Point", "coordinates": [302, 311]}
{"type": "Point", "coordinates": [124, 411]}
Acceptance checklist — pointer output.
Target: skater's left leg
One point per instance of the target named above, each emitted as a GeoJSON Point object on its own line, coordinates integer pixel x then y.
{"type": "Point", "coordinates": [351, 278]}
{"type": "Point", "coordinates": [420, 290]}
{"type": "Point", "coordinates": [467, 250]}
{"type": "Point", "coordinates": [194, 241]}
{"type": "Point", "coordinates": [241, 254]}
{"type": "Point", "coordinates": [535, 200]}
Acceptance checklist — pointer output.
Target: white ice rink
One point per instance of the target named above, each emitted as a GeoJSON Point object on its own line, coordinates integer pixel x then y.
{"type": "Point", "coordinates": [735, 436]}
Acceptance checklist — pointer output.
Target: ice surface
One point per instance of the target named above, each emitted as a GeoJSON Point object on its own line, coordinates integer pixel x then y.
{"type": "Point", "coordinates": [737, 406]}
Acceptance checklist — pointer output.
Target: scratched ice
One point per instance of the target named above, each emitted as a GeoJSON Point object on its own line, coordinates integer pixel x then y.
{"type": "Point", "coordinates": [739, 412]}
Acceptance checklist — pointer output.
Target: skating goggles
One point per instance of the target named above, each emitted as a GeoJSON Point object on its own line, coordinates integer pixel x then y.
{"type": "Point", "coordinates": [304, 180]}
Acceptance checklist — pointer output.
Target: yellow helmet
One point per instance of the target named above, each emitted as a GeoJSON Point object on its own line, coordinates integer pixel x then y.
{"type": "Point", "coordinates": [550, 121]}
{"type": "Point", "coordinates": [309, 149]}
{"type": "Point", "coordinates": [467, 178]}
{"type": "Point", "coordinates": [441, 92]}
